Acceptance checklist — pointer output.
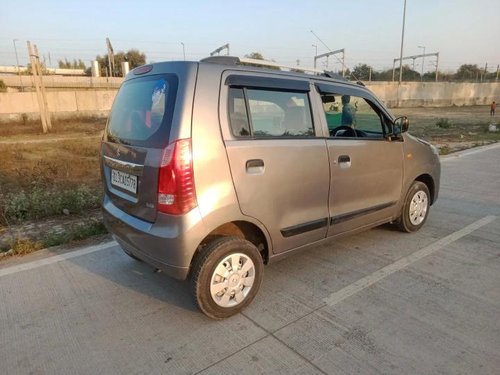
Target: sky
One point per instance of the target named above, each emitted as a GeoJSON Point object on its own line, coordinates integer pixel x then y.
{"type": "Point", "coordinates": [462, 31]}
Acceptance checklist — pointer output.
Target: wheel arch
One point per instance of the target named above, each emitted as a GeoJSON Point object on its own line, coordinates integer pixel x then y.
{"type": "Point", "coordinates": [429, 182]}
{"type": "Point", "coordinates": [240, 229]}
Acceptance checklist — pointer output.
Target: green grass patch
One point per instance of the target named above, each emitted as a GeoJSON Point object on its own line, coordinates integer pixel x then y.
{"type": "Point", "coordinates": [41, 202]}
{"type": "Point", "coordinates": [444, 150]}
{"type": "Point", "coordinates": [76, 232]}
{"type": "Point", "coordinates": [443, 123]}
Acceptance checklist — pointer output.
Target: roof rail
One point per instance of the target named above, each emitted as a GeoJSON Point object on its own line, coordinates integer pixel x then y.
{"type": "Point", "coordinates": [331, 74]}
{"type": "Point", "coordinates": [233, 60]}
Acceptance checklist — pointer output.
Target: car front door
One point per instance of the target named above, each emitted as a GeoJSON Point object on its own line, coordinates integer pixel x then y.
{"type": "Point", "coordinates": [366, 167]}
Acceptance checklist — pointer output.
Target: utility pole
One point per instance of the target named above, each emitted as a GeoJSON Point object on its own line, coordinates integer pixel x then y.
{"type": "Point", "coordinates": [221, 48]}
{"type": "Point", "coordinates": [40, 88]}
{"type": "Point", "coordinates": [402, 44]}
{"type": "Point", "coordinates": [17, 65]}
{"type": "Point", "coordinates": [315, 54]}
{"type": "Point", "coordinates": [44, 93]}
{"type": "Point", "coordinates": [413, 58]}
{"type": "Point", "coordinates": [183, 51]}
{"type": "Point", "coordinates": [328, 54]}
{"type": "Point", "coordinates": [370, 75]}
{"type": "Point", "coordinates": [423, 63]}
{"type": "Point", "coordinates": [111, 58]}
{"type": "Point", "coordinates": [401, 54]}
{"type": "Point", "coordinates": [437, 66]}
{"type": "Point", "coordinates": [498, 71]}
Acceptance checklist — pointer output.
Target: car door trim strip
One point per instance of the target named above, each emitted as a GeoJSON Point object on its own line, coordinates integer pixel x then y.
{"type": "Point", "coordinates": [354, 214]}
{"type": "Point", "coordinates": [306, 227]}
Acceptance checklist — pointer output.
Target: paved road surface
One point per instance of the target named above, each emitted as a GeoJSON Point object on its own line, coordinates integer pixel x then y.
{"type": "Point", "coordinates": [379, 302]}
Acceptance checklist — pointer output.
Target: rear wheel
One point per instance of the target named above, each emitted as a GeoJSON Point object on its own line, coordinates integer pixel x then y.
{"type": "Point", "coordinates": [226, 276]}
{"type": "Point", "coordinates": [416, 208]}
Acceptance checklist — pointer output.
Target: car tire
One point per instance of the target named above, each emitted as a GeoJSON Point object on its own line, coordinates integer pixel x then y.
{"type": "Point", "coordinates": [226, 276]}
{"type": "Point", "coordinates": [415, 209]}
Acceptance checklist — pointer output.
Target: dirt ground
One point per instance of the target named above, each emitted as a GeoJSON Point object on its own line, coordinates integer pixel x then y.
{"type": "Point", "coordinates": [467, 126]}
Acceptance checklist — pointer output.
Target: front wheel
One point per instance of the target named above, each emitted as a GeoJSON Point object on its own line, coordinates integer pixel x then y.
{"type": "Point", "coordinates": [415, 208]}
{"type": "Point", "coordinates": [226, 276]}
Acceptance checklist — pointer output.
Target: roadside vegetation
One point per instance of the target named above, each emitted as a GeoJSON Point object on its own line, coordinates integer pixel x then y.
{"type": "Point", "coordinates": [451, 128]}
{"type": "Point", "coordinates": [26, 129]}
{"type": "Point", "coordinates": [45, 180]}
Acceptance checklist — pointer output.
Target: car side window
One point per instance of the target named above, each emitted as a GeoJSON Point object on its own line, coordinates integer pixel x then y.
{"type": "Point", "coordinates": [237, 113]}
{"type": "Point", "coordinates": [269, 113]}
{"type": "Point", "coordinates": [351, 116]}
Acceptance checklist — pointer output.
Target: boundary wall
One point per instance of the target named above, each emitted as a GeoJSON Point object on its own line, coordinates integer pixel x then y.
{"type": "Point", "coordinates": [88, 103]}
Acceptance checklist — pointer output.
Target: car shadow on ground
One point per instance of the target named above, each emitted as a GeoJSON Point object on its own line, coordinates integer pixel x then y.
{"type": "Point", "coordinates": [119, 268]}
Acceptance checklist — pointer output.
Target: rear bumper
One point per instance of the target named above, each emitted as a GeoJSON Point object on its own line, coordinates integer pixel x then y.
{"type": "Point", "coordinates": [168, 244]}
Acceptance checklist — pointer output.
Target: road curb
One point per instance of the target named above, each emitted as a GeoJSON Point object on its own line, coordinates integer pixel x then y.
{"type": "Point", "coordinates": [469, 151]}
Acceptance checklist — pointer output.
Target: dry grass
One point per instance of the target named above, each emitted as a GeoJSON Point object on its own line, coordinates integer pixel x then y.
{"type": "Point", "coordinates": [465, 124]}
{"type": "Point", "coordinates": [30, 129]}
{"type": "Point", "coordinates": [44, 175]}
{"type": "Point", "coordinates": [40, 180]}
{"type": "Point", "coordinates": [64, 164]}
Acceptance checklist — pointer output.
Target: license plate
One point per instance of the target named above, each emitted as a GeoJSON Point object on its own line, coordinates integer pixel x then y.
{"type": "Point", "coordinates": [124, 180]}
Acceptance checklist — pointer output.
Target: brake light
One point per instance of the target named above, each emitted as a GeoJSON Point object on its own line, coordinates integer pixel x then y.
{"type": "Point", "coordinates": [176, 194]}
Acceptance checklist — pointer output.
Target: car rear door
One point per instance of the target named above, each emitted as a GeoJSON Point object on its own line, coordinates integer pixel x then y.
{"type": "Point", "coordinates": [279, 166]}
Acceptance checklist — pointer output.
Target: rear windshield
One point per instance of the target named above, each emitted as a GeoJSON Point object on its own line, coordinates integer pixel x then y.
{"type": "Point", "coordinates": [142, 111]}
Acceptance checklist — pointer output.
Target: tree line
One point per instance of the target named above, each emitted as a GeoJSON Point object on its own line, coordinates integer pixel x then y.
{"type": "Point", "coordinates": [361, 72]}
{"type": "Point", "coordinates": [134, 57]}
{"type": "Point", "coordinates": [466, 72]}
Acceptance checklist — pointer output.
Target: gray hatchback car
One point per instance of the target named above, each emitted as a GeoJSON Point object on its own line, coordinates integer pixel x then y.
{"type": "Point", "coordinates": [214, 168]}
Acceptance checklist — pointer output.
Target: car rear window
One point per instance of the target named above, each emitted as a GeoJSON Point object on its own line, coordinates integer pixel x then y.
{"type": "Point", "coordinates": [142, 111]}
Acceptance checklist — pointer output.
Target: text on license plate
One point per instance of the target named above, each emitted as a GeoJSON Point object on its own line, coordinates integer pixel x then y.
{"type": "Point", "coordinates": [124, 180]}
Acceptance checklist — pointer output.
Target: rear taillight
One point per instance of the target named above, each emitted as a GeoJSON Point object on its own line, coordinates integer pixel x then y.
{"type": "Point", "coordinates": [176, 194]}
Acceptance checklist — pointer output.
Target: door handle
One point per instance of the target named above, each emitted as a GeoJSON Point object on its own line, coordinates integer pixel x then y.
{"type": "Point", "coordinates": [344, 161]}
{"type": "Point", "coordinates": [255, 166]}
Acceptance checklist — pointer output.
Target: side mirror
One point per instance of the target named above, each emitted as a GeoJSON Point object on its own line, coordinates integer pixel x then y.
{"type": "Point", "coordinates": [401, 125]}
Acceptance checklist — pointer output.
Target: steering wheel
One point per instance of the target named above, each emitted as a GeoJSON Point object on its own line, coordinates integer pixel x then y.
{"type": "Point", "coordinates": [361, 133]}
{"type": "Point", "coordinates": [348, 131]}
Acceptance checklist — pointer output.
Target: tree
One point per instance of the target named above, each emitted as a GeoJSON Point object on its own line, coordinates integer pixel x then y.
{"type": "Point", "coordinates": [258, 56]}
{"type": "Point", "coordinates": [65, 64]}
{"type": "Point", "coordinates": [134, 57]}
{"type": "Point", "coordinates": [468, 72]}
{"type": "Point", "coordinates": [362, 72]}
{"type": "Point", "coordinates": [255, 55]}
{"type": "Point", "coordinates": [29, 69]}
{"type": "Point", "coordinates": [408, 74]}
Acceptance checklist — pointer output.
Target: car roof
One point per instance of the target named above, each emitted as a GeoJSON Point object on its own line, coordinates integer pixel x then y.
{"type": "Point", "coordinates": [263, 66]}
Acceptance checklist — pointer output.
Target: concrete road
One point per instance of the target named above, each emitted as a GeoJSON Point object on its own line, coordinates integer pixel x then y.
{"type": "Point", "coordinates": [379, 302]}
